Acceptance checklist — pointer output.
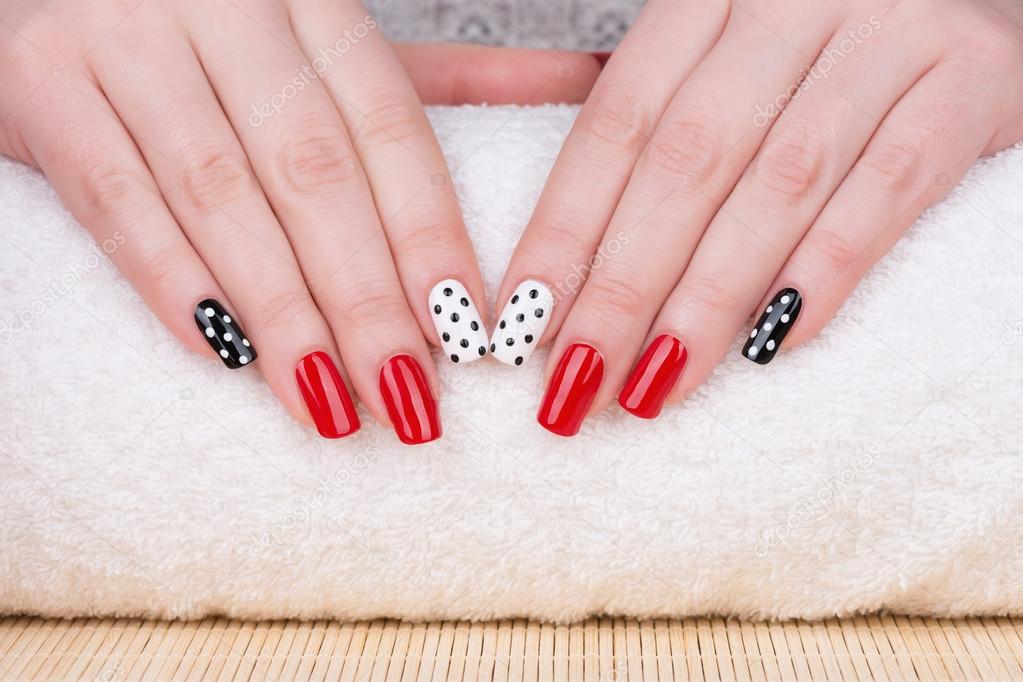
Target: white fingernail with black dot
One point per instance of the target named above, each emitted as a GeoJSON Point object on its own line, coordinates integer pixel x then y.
{"type": "Point", "coordinates": [522, 323]}
{"type": "Point", "coordinates": [458, 322]}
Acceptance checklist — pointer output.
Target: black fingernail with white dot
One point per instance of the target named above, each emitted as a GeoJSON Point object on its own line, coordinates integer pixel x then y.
{"type": "Point", "coordinates": [523, 320]}
{"type": "Point", "coordinates": [772, 327]}
{"type": "Point", "coordinates": [224, 334]}
{"type": "Point", "coordinates": [457, 321]}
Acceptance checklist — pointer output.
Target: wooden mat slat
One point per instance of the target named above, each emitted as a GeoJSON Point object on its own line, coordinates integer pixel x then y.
{"type": "Point", "coordinates": [598, 650]}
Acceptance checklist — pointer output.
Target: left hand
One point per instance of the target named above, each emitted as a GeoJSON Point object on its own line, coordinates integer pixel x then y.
{"type": "Point", "coordinates": [686, 200]}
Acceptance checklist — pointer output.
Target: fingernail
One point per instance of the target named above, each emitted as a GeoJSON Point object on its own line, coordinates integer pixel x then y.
{"type": "Point", "coordinates": [325, 394]}
{"type": "Point", "coordinates": [572, 390]}
{"type": "Point", "coordinates": [410, 404]}
{"type": "Point", "coordinates": [656, 374]}
{"type": "Point", "coordinates": [772, 326]}
{"type": "Point", "coordinates": [224, 334]}
{"type": "Point", "coordinates": [601, 57]}
{"type": "Point", "coordinates": [522, 323]}
{"type": "Point", "coordinates": [458, 322]}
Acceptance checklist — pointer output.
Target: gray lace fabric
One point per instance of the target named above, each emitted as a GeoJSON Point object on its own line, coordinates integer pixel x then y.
{"type": "Point", "coordinates": [593, 25]}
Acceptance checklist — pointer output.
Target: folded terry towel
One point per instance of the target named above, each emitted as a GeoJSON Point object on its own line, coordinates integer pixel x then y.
{"type": "Point", "coordinates": [876, 467]}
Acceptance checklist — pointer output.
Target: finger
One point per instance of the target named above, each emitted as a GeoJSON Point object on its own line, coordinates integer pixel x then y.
{"type": "Point", "coordinates": [203, 171]}
{"type": "Point", "coordinates": [700, 147]}
{"type": "Point", "coordinates": [456, 73]}
{"type": "Point", "coordinates": [923, 147]}
{"type": "Point", "coordinates": [404, 165]}
{"type": "Point", "coordinates": [316, 184]}
{"type": "Point", "coordinates": [87, 155]}
{"type": "Point", "coordinates": [598, 156]}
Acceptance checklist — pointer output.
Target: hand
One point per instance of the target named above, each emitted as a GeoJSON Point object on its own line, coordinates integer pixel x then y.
{"type": "Point", "coordinates": [687, 201]}
{"type": "Point", "coordinates": [269, 163]}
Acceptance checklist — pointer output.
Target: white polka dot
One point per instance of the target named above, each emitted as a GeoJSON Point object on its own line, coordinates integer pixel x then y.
{"type": "Point", "coordinates": [227, 319]}
{"type": "Point", "coordinates": [768, 326]}
{"type": "Point", "coordinates": [769, 308]}
{"type": "Point", "coordinates": [785, 318]}
{"type": "Point", "coordinates": [752, 352]}
{"type": "Point", "coordinates": [210, 333]}
{"type": "Point", "coordinates": [243, 359]}
{"type": "Point", "coordinates": [223, 353]}
{"type": "Point", "coordinates": [245, 342]}
{"type": "Point", "coordinates": [753, 334]}
{"type": "Point", "coordinates": [209, 312]}
{"type": "Point", "coordinates": [785, 299]}
{"type": "Point", "coordinates": [228, 337]}
{"type": "Point", "coordinates": [770, 345]}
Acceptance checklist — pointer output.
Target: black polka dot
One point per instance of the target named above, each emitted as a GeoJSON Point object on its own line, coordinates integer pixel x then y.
{"type": "Point", "coordinates": [502, 325]}
{"type": "Point", "coordinates": [483, 350]}
{"type": "Point", "coordinates": [454, 317]}
{"type": "Point", "coordinates": [538, 312]}
{"type": "Point", "coordinates": [520, 318]}
{"type": "Point", "coordinates": [464, 343]}
{"type": "Point", "coordinates": [437, 309]}
{"type": "Point", "coordinates": [446, 336]}
{"type": "Point", "coordinates": [533, 293]}
{"type": "Point", "coordinates": [464, 302]}
{"type": "Point", "coordinates": [448, 291]}
{"type": "Point", "coordinates": [515, 298]}
{"type": "Point", "coordinates": [493, 347]}
{"type": "Point", "coordinates": [509, 342]}
{"type": "Point", "coordinates": [474, 325]}
{"type": "Point", "coordinates": [454, 357]}
{"type": "Point", "coordinates": [518, 360]}
{"type": "Point", "coordinates": [529, 338]}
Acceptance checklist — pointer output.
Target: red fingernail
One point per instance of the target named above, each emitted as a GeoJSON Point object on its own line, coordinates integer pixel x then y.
{"type": "Point", "coordinates": [410, 404]}
{"type": "Point", "coordinates": [650, 383]}
{"type": "Point", "coordinates": [572, 390]}
{"type": "Point", "coordinates": [601, 57]}
{"type": "Point", "coordinates": [326, 396]}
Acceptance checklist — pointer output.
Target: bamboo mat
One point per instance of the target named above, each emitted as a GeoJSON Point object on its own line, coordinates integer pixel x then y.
{"type": "Point", "coordinates": [597, 650]}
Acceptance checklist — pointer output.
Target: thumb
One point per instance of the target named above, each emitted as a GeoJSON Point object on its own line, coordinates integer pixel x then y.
{"type": "Point", "coordinates": [451, 73]}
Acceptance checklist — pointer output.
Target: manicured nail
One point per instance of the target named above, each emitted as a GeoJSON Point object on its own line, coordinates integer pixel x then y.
{"type": "Point", "coordinates": [325, 394]}
{"type": "Point", "coordinates": [522, 323]}
{"type": "Point", "coordinates": [656, 374]}
{"type": "Point", "coordinates": [772, 326]}
{"type": "Point", "coordinates": [458, 322]}
{"type": "Point", "coordinates": [224, 334]}
{"type": "Point", "coordinates": [572, 390]}
{"type": "Point", "coordinates": [410, 404]}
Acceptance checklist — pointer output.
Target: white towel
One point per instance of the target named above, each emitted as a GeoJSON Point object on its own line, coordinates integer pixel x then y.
{"type": "Point", "coordinates": [876, 467]}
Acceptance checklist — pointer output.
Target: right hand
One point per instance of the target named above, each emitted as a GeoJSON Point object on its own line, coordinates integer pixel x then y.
{"type": "Point", "coordinates": [272, 156]}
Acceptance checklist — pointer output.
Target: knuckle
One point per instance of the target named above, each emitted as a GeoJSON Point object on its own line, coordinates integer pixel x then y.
{"type": "Point", "coordinates": [376, 304]}
{"type": "Point", "coordinates": [616, 293]}
{"type": "Point", "coordinates": [687, 150]}
{"type": "Point", "coordinates": [894, 166]}
{"type": "Point", "coordinates": [109, 190]}
{"type": "Point", "coordinates": [421, 233]}
{"type": "Point", "coordinates": [617, 118]}
{"type": "Point", "coordinates": [790, 165]}
{"type": "Point", "coordinates": [317, 158]}
{"type": "Point", "coordinates": [833, 250]}
{"type": "Point", "coordinates": [214, 178]}
{"type": "Point", "coordinates": [166, 267]}
{"type": "Point", "coordinates": [710, 295]}
{"type": "Point", "coordinates": [286, 309]}
{"type": "Point", "coordinates": [388, 119]}
{"type": "Point", "coordinates": [559, 232]}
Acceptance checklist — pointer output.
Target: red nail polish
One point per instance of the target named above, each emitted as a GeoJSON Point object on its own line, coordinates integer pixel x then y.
{"type": "Point", "coordinates": [650, 383]}
{"type": "Point", "coordinates": [326, 396]}
{"type": "Point", "coordinates": [572, 390]}
{"type": "Point", "coordinates": [410, 404]}
{"type": "Point", "coordinates": [601, 57]}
